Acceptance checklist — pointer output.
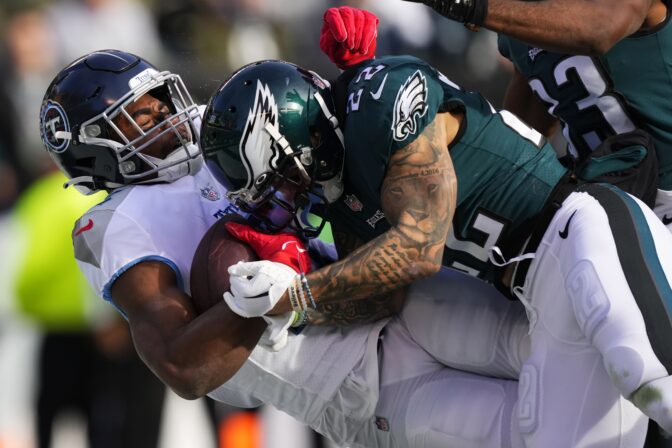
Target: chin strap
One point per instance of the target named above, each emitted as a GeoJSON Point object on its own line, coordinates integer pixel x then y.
{"type": "Point", "coordinates": [286, 148]}
{"type": "Point", "coordinates": [331, 117]}
{"type": "Point", "coordinates": [333, 188]}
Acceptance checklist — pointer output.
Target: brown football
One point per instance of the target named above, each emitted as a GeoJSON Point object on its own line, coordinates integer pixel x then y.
{"type": "Point", "coordinates": [215, 253]}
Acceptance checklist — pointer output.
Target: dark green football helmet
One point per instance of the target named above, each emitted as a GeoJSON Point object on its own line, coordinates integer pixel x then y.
{"type": "Point", "coordinates": [271, 136]}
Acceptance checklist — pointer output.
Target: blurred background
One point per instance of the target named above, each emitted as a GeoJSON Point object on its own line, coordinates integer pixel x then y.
{"type": "Point", "coordinates": [69, 376]}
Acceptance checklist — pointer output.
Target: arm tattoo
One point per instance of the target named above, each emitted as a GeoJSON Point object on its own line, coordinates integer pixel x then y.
{"type": "Point", "coordinates": [344, 240]}
{"type": "Point", "coordinates": [352, 312]}
{"type": "Point", "coordinates": [418, 198]}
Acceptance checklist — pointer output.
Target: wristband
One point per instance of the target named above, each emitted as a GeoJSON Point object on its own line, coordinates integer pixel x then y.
{"type": "Point", "coordinates": [478, 13]}
{"type": "Point", "coordinates": [300, 319]}
{"type": "Point", "coordinates": [294, 298]}
{"type": "Point", "coordinates": [466, 11]}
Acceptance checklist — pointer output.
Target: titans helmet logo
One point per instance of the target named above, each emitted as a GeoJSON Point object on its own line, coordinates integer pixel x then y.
{"type": "Point", "coordinates": [54, 127]}
{"type": "Point", "coordinates": [257, 149]}
{"type": "Point", "coordinates": [411, 104]}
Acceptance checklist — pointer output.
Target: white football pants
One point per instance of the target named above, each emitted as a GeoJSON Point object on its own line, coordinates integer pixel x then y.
{"type": "Point", "coordinates": [598, 294]}
{"type": "Point", "coordinates": [464, 323]}
{"type": "Point", "coordinates": [424, 404]}
{"type": "Point", "coordinates": [599, 281]}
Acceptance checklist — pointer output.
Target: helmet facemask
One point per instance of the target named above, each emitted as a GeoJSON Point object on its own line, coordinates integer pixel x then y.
{"type": "Point", "coordinates": [282, 198]}
{"type": "Point", "coordinates": [135, 165]}
{"type": "Point", "coordinates": [271, 138]}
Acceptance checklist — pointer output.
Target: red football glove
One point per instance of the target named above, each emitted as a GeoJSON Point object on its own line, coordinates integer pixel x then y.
{"type": "Point", "coordinates": [348, 35]}
{"type": "Point", "coordinates": [285, 248]}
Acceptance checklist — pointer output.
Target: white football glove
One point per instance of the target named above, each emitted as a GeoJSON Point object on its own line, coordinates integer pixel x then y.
{"type": "Point", "coordinates": [275, 336]}
{"type": "Point", "coordinates": [257, 286]}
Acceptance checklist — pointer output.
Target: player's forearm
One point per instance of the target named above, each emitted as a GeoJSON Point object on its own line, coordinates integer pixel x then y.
{"type": "Point", "coordinates": [389, 262]}
{"type": "Point", "coordinates": [589, 27]}
{"type": "Point", "coordinates": [377, 268]}
{"type": "Point", "coordinates": [418, 197]}
{"type": "Point", "coordinates": [199, 356]}
{"type": "Point", "coordinates": [358, 311]}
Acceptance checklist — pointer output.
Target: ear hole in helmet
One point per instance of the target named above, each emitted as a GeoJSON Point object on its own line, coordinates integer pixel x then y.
{"type": "Point", "coordinates": [87, 163]}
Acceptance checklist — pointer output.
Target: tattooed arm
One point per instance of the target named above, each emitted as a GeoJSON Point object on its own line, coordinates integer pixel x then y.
{"type": "Point", "coordinates": [418, 197]}
{"type": "Point", "coordinates": [360, 311]}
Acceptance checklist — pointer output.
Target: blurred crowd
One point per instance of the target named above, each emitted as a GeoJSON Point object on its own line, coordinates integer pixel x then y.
{"type": "Point", "coordinates": [203, 41]}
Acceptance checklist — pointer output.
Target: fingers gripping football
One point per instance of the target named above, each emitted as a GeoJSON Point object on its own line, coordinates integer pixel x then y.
{"type": "Point", "coordinates": [262, 283]}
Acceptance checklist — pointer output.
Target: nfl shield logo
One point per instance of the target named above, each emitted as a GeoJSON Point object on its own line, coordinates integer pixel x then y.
{"type": "Point", "coordinates": [210, 193]}
{"type": "Point", "coordinates": [382, 424]}
{"type": "Point", "coordinates": [353, 203]}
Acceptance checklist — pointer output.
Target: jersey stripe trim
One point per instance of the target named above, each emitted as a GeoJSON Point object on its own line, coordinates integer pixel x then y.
{"type": "Point", "coordinates": [643, 271]}
{"type": "Point", "coordinates": [107, 289]}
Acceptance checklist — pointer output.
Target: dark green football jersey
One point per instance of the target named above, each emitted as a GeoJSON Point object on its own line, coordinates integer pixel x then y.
{"type": "Point", "coordinates": [505, 171]}
{"type": "Point", "coordinates": [596, 97]}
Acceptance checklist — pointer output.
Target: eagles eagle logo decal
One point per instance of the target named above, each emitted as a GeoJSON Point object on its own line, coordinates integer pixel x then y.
{"type": "Point", "coordinates": [257, 149]}
{"type": "Point", "coordinates": [411, 104]}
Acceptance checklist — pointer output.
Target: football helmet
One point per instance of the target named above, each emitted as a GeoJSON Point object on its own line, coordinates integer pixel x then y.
{"type": "Point", "coordinates": [271, 136]}
{"type": "Point", "coordinates": [77, 123]}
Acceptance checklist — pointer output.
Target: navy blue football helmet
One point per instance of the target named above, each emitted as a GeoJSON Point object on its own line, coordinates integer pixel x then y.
{"type": "Point", "coordinates": [271, 136]}
{"type": "Point", "coordinates": [78, 129]}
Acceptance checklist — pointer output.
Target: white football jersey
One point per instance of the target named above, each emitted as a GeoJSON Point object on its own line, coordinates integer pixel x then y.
{"type": "Point", "coordinates": [163, 222]}
{"type": "Point", "coordinates": [308, 379]}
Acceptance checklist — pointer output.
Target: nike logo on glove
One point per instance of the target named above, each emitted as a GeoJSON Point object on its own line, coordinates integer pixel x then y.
{"type": "Point", "coordinates": [379, 92]}
{"type": "Point", "coordinates": [298, 249]}
{"type": "Point", "coordinates": [565, 232]}
{"type": "Point", "coordinates": [667, 219]}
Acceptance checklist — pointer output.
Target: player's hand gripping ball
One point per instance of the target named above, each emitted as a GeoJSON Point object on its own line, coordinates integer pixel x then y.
{"type": "Point", "coordinates": [217, 251]}
{"type": "Point", "coordinates": [231, 244]}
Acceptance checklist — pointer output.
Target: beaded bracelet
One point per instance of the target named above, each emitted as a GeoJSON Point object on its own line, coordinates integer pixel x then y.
{"type": "Point", "coordinates": [302, 294]}
{"type": "Point", "coordinates": [306, 288]}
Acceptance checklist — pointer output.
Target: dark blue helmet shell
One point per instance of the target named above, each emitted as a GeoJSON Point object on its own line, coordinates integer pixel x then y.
{"type": "Point", "coordinates": [76, 119]}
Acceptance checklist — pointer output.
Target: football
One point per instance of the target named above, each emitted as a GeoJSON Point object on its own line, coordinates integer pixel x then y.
{"type": "Point", "coordinates": [215, 253]}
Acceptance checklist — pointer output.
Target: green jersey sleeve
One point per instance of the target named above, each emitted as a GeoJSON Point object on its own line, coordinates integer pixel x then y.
{"type": "Point", "coordinates": [503, 46]}
{"type": "Point", "coordinates": [393, 101]}
{"type": "Point", "coordinates": [390, 103]}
